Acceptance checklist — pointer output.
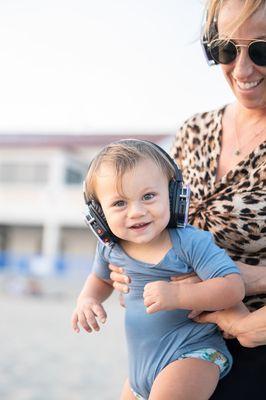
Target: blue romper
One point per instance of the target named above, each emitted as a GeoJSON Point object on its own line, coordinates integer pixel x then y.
{"type": "Point", "coordinates": [155, 340]}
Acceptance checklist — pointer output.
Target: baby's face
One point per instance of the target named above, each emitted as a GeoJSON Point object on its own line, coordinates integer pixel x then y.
{"type": "Point", "coordinates": [141, 212]}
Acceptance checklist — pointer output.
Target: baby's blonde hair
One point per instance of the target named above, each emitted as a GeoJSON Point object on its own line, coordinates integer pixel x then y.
{"type": "Point", "coordinates": [124, 156]}
{"type": "Point", "coordinates": [213, 8]}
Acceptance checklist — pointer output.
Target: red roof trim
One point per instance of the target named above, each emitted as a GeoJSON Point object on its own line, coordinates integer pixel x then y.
{"type": "Point", "coordinates": [70, 140]}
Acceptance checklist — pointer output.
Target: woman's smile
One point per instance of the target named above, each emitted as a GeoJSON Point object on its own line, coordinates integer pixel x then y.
{"type": "Point", "coordinates": [248, 85]}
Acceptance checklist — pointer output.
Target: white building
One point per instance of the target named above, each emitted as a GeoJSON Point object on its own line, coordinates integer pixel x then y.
{"type": "Point", "coordinates": [41, 201]}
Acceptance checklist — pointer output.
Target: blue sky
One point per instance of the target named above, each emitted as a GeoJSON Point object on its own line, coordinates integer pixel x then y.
{"type": "Point", "coordinates": [103, 65]}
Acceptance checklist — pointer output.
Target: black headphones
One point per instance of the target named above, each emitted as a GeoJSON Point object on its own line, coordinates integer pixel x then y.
{"type": "Point", "coordinates": [206, 38]}
{"type": "Point", "coordinates": [179, 195]}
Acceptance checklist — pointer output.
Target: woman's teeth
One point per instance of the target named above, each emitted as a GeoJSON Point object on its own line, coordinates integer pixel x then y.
{"type": "Point", "coordinates": [248, 85]}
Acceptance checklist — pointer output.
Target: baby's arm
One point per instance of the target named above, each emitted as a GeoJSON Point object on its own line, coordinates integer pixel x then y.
{"type": "Point", "coordinates": [210, 295]}
{"type": "Point", "coordinates": [89, 307]}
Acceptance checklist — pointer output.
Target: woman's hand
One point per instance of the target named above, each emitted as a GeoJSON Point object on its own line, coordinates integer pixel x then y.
{"type": "Point", "coordinates": [251, 330]}
{"type": "Point", "coordinates": [227, 319]}
{"type": "Point", "coordinates": [254, 278]}
{"type": "Point", "coordinates": [120, 280]}
{"type": "Point", "coordinates": [187, 278]}
{"type": "Point", "coordinates": [248, 328]}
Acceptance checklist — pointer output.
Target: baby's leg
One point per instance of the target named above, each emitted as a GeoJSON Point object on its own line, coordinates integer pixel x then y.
{"type": "Point", "coordinates": [127, 392]}
{"type": "Point", "coordinates": [187, 379]}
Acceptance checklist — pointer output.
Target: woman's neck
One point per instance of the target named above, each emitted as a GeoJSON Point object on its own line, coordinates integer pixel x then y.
{"type": "Point", "coordinates": [249, 116]}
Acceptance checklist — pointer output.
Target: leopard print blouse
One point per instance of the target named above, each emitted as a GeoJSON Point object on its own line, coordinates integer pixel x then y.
{"type": "Point", "coordinates": [233, 208]}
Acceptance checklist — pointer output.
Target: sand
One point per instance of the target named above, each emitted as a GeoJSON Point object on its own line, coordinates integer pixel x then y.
{"type": "Point", "coordinates": [42, 359]}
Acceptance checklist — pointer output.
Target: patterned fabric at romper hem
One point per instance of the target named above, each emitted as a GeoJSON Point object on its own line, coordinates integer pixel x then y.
{"type": "Point", "coordinates": [207, 354]}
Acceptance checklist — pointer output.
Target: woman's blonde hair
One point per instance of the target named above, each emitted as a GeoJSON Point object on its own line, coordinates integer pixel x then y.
{"type": "Point", "coordinates": [124, 156]}
{"type": "Point", "coordinates": [213, 8]}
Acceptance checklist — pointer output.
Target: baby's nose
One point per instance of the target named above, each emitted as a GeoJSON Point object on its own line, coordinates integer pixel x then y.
{"type": "Point", "coordinates": [136, 210]}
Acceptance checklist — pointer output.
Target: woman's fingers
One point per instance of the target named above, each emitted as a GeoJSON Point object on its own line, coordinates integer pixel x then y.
{"type": "Point", "coordinates": [118, 274]}
{"type": "Point", "coordinates": [116, 269]}
{"type": "Point", "coordinates": [122, 300]}
{"type": "Point", "coordinates": [120, 280]}
{"type": "Point", "coordinates": [121, 287]}
{"type": "Point", "coordinates": [228, 336]}
{"type": "Point", "coordinates": [187, 278]}
{"type": "Point", "coordinates": [206, 317]}
{"type": "Point", "coordinates": [194, 314]}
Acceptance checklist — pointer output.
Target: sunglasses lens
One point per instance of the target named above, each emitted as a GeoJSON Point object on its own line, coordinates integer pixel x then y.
{"type": "Point", "coordinates": [223, 52]}
{"type": "Point", "coordinates": [257, 53]}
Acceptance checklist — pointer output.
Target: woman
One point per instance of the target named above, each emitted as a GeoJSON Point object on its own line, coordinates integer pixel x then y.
{"type": "Point", "coordinates": [223, 156]}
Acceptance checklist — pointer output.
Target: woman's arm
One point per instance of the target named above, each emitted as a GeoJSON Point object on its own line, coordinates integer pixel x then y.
{"type": "Point", "coordinates": [254, 278]}
{"type": "Point", "coordinates": [251, 330]}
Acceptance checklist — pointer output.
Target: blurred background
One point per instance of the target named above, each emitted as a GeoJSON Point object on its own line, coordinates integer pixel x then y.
{"type": "Point", "coordinates": [76, 75]}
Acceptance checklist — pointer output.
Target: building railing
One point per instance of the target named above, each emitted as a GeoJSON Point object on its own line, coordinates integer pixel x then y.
{"type": "Point", "coordinates": [37, 265]}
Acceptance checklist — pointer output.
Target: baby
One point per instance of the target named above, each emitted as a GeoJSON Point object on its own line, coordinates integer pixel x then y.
{"type": "Point", "coordinates": [133, 192]}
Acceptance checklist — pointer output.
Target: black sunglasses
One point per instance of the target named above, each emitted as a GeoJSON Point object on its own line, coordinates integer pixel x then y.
{"type": "Point", "coordinates": [225, 51]}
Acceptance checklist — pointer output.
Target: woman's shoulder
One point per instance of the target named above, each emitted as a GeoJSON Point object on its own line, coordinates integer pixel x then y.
{"type": "Point", "coordinates": [204, 117]}
{"type": "Point", "coordinates": [196, 133]}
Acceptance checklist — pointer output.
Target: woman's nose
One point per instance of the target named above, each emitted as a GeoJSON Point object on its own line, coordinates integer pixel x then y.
{"type": "Point", "coordinates": [244, 66]}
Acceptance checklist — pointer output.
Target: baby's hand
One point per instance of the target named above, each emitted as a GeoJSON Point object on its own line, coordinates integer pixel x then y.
{"type": "Point", "coordinates": [85, 314]}
{"type": "Point", "coordinates": [160, 295]}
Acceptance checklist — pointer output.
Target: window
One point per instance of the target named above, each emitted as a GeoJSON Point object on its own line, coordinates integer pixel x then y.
{"type": "Point", "coordinates": [73, 176]}
{"type": "Point", "coordinates": [12, 172]}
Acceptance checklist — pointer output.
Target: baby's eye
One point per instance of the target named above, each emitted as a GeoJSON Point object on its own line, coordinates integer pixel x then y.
{"type": "Point", "coordinates": [148, 196]}
{"type": "Point", "coordinates": [119, 203]}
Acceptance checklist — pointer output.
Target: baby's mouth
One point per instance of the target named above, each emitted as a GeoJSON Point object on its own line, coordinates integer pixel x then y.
{"type": "Point", "coordinates": [140, 226]}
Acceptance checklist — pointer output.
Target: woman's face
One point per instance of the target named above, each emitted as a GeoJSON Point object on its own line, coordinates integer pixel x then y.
{"type": "Point", "coordinates": [247, 80]}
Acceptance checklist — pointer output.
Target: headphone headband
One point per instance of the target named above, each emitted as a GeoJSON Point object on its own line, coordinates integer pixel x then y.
{"type": "Point", "coordinates": [206, 38]}
{"type": "Point", "coordinates": [178, 174]}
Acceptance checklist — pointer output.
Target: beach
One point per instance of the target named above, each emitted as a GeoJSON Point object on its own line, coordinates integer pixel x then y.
{"type": "Point", "coordinates": [43, 359]}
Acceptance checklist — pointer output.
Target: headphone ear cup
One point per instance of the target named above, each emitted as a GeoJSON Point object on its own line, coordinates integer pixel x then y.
{"type": "Point", "coordinates": [206, 39]}
{"type": "Point", "coordinates": [173, 199]}
{"type": "Point", "coordinates": [98, 211]}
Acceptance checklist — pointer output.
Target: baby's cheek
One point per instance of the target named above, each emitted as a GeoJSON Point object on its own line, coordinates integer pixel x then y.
{"type": "Point", "coordinates": [166, 214]}
{"type": "Point", "coordinates": [116, 225]}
